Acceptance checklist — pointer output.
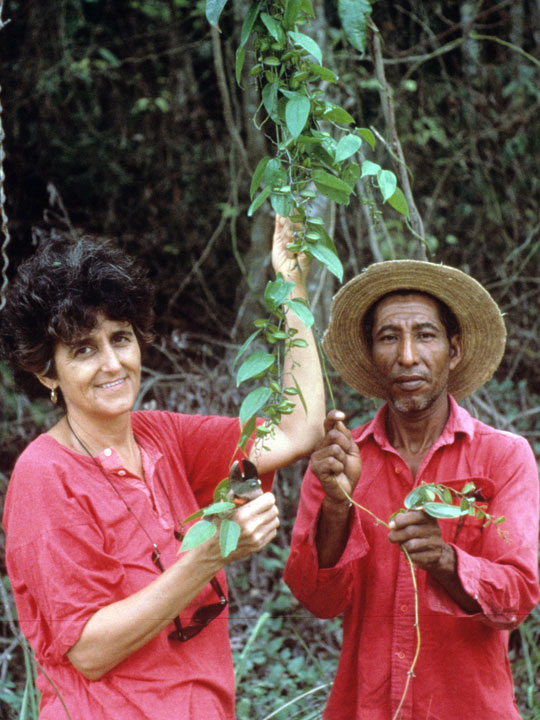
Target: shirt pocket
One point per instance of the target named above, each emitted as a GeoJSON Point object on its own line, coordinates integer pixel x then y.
{"type": "Point", "coordinates": [466, 532]}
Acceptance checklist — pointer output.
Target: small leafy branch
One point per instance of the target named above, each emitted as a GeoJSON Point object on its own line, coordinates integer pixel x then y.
{"type": "Point", "coordinates": [441, 502]}
{"type": "Point", "coordinates": [315, 141]}
{"type": "Point", "coordinates": [270, 399]}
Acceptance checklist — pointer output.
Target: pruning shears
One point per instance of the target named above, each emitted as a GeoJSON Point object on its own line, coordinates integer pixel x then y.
{"type": "Point", "coordinates": [245, 484]}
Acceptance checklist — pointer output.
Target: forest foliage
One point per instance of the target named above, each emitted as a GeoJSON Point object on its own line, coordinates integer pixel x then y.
{"type": "Point", "coordinates": [136, 120]}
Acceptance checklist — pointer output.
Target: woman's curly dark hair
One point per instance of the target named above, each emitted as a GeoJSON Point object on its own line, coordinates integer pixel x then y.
{"type": "Point", "coordinates": [59, 292]}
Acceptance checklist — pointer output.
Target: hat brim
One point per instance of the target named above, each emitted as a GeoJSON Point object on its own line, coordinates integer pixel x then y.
{"type": "Point", "coordinates": [483, 332]}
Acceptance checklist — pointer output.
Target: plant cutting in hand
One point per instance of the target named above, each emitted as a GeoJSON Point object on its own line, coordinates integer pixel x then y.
{"type": "Point", "coordinates": [441, 502]}
{"type": "Point", "coordinates": [241, 486]}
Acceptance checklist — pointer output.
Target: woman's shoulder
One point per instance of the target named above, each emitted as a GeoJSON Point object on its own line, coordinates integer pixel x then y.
{"type": "Point", "coordinates": [44, 446]}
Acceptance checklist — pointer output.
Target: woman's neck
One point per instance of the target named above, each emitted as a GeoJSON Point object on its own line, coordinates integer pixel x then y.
{"type": "Point", "coordinates": [91, 437]}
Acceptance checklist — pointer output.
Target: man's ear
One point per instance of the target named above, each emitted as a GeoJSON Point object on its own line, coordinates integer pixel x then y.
{"type": "Point", "coordinates": [456, 351]}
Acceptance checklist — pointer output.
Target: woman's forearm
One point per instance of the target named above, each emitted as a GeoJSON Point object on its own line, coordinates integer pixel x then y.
{"type": "Point", "coordinates": [116, 631]}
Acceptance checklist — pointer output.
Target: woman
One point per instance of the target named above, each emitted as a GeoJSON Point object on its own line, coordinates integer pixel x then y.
{"type": "Point", "coordinates": [124, 626]}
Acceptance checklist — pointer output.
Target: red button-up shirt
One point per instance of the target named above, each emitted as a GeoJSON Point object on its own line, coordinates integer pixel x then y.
{"type": "Point", "coordinates": [72, 548]}
{"type": "Point", "coordinates": [463, 669]}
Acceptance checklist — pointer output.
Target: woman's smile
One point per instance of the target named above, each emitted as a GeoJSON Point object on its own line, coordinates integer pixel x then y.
{"type": "Point", "coordinates": [99, 373]}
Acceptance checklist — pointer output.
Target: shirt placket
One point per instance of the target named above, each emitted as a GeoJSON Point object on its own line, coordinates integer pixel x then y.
{"type": "Point", "coordinates": [404, 637]}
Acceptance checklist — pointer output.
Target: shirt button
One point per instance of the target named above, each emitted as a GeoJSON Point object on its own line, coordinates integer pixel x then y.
{"type": "Point", "coordinates": [107, 452]}
{"type": "Point", "coordinates": [400, 655]}
{"type": "Point", "coordinates": [121, 473]}
{"type": "Point", "coordinates": [404, 608]}
{"type": "Point", "coordinates": [398, 470]}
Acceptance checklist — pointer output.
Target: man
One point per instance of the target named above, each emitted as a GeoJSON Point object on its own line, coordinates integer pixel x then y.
{"type": "Point", "coordinates": [421, 336]}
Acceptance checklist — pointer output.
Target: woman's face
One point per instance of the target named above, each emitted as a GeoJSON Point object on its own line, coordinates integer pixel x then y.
{"type": "Point", "coordinates": [99, 374]}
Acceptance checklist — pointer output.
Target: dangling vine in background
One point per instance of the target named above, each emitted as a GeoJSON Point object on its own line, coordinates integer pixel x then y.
{"type": "Point", "coordinates": [3, 215]}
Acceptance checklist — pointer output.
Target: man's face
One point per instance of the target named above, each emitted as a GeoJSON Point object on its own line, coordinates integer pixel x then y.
{"type": "Point", "coordinates": [411, 351]}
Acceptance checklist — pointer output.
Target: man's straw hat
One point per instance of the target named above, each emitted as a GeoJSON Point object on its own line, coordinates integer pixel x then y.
{"type": "Point", "coordinates": [482, 327]}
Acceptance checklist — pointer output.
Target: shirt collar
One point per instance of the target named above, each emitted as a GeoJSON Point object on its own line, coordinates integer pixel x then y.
{"type": "Point", "coordinates": [459, 421]}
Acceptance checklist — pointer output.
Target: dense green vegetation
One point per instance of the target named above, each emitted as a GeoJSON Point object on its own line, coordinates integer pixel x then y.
{"type": "Point", "coordinates": [125, 119]}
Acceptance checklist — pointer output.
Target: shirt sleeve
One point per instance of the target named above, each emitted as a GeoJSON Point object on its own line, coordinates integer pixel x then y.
{"type": "Point", "coordinates": [208, 446]}
{"type": "Point", "coordinates": [502, 575]}
{"type": "Point", "coordinates": [323, 591]}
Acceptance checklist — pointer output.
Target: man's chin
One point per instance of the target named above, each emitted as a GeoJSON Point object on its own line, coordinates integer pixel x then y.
{"type": "Point", "coordinates": [416, 403]}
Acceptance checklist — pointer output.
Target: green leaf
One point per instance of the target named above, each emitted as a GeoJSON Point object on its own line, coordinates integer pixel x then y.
{"type": "Point", "coordinates": [290, 16]}
{"type": "Point", "coordinates": [297, 113]}
{"type": "Point", "coordinates": [276, 291]}
{"type": "Point", "coordinates": [323, 73]}
{"type": "Point", "coordinates": [249, 21]}
{"type": "Point", "coordinates": [334, 113]}
{"type": "Point", "coordinates": [261, 197]}
{"type": "Point", "coordinates": [347, 146]}
{"type": "Point", "coordinates": [221, 490]}
{"type": "Point", "coordinates": [247, 432]}
{"type": "Point", "coordinates": [193, 516]}
{"type": "Point", "coordinates": [353, 15]}
{"type": "Point", "coordinates": [254, 402]}
{"type": "Point", "coordinates": [274, 173]}
{"type": "Point", "coordinates": [440, 510]}
{"type": "Point", "coordinates": [269, 97]}
{"type": "Point", "coordinates": [328, 258]}
{"type": "Point", "coordinates": [218, 507]}
{"type": "Point", "coordinates": [281, 204]}
{"type": "Point", "coordinates": [446, 495]}
{"type": "Point", "coordinates": [399, 203]}
{"type": "Point", "coordinates": [229, 533]}
{"type": "Point", "coordinates": [368, 136]}
{"type": "Point", "coordinates": [332, 186]}
{"type": "Point", "coordinates": [245, 346]}
{"type": "Point", "coordinates": [468, 487]}
{"type": "Point", "coordinates": [240, 57]}
{"type": "Point", "coordinates": [197, 534]}
{"type": "Point", "coordinates": [307, 43]}
{"type": "Point", "coordinates": [415, 498]}
{"type": "Point", "coordinates": [255, 364]}
{"type": "Point", "coordinates": [301, 309]}
{"type": "Point", "coordinates": [370, 168]}
{"type": "Point", "coordinates": [213, 10]}
{"type": "Point", "coordinates": [258, 175]}
{"type": "Point", "coordinates": [306, 7]}
{"type": "Point", "coordinates": [351, 174]}
{"type": "Point", "coordinates": [387, 183]}
{"type": "Point", "coordinates": [273, 27]}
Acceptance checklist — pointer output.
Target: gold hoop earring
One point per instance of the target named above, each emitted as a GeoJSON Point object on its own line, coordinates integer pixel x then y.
{"type": "Point", "coordinates": [54, 396]}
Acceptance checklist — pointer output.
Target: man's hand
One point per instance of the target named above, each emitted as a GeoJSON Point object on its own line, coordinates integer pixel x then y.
{"type": "Point", "coordinates": [420, 535]}
{"type": "Point", "coordinates": [336, 461]}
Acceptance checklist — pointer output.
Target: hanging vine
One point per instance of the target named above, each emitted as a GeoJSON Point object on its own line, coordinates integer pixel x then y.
{"type": "Point", "coordinates": [3, 215]}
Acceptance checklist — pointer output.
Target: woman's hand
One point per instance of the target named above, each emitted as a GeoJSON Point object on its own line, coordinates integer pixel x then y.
{"type": "Point", "coordinates": [259, 521]}
{"type": "Point", "coordinates": [293, 266]}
